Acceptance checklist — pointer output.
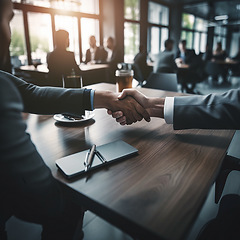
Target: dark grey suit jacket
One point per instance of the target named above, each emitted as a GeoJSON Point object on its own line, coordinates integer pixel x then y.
{"type": "Point", "coordinates": [26, 183]}
{"type": "Point", "coordinates": [213, 111]}
{"type": "Point", "coordinates": [165, 61]}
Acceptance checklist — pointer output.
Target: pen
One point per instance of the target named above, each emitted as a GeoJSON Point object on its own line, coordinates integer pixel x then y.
{"type": "Point", "coordinates": [89, 158]}
{"type": "Point", "coordinates": [100, 156]}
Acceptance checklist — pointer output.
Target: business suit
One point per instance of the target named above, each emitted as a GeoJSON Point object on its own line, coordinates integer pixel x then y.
{"type": "Point", "coordinates": [213, 111]}
{"type": "Point", "coordinates": [100, 55]}
{"type": "Point", "coordinates": [28, 189]}
{"type": "Point", "coordinates": [189, 56]}
{"type": "Point", "coordinates": [165, 63]}
{"type": "Point", "coordinates": [115, 59]}
{"type": "Point", "coordinates": [60, 63]}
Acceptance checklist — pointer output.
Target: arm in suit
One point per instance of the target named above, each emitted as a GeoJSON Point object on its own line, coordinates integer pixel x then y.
{"type": "Point", "coordinates": [28, 188]}
{"type": "Point", "coordinates": [214, 111]}
{"type": "Point", "coordinates": [50, 100]}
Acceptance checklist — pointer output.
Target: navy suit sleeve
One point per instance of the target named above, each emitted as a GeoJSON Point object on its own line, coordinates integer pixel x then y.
{"type": "Point", "coordinates": [50, 100]}
{"type": "Point", "coordinates": [26, 183]}
{"type": "Point", "coordinates": [213, 111]}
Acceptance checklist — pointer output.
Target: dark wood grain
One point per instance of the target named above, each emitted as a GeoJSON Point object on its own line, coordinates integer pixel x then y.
{"type": "Point", "coordinates": [154, 195]}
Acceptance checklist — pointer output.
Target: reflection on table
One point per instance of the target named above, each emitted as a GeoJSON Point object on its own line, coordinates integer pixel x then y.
{"type": "Point", "coordinates": [154, 195]}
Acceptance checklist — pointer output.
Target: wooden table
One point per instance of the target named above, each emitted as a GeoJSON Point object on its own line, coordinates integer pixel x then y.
{"type": "Point", "coordinates": [91, 73]}
{"type": "Point", "coordinates": [154, 195]}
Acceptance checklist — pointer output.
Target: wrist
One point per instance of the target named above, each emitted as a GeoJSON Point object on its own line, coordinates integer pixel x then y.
{"type": "Point", "coordinates": [104, 99]}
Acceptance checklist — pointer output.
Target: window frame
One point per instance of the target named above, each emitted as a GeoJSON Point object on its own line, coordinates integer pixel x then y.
{"type": "Point", "coordinates": [159, 26]}
{"type": "Point", "coordinates": [193, 31]}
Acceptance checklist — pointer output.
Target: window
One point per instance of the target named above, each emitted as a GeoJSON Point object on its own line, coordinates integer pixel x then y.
{"type": "Point", "coordinates": [71, 26]}
{"type": "Point", "coordinates": [40, 36]}
{"type": "Point", "coordinates": [42, 19]}
{"type": "Point", "coordinates": [131, 9]}
{"type": "Point", "coordinates": [158, 18]}
{"type": "Point", "coordinates": [88, 27]}
{"type": "Point", "coordinates": [131, 40]}
{"type": "Point", "coordinates": [18, 46]}
{"type": "Point", "coordinates": [203, 42]}
{"type": "Point", "coordinates": [219, 36]}
{"type": "Point", "coordinates": [131, 29]}
{"type": "Point", "coordinates": [194, 31]}
{"type": "Point", "coordinates": [158, 14]}
{"type": "Point", "coordinates": [188, 21]}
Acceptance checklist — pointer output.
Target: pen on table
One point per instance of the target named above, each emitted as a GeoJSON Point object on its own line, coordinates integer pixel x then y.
{"type": "Point", "coordinates": [89, 157]}
{"type": "Point", "coordinates": [100, 156]}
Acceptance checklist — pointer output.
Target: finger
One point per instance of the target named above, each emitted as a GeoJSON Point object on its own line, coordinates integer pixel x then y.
{"type": "Point", "coordinates": [117, 114]}
{"type": "Point", "coordinates": [125, 93]}
{"type": "Point", "coordinates": [123, 123]}
{"type": "Point", "coordinates": [143, 112]}
{"type": "Point", "coordinates": [121, 119]}
{"type": "Point", "coordinates": [109, 112]}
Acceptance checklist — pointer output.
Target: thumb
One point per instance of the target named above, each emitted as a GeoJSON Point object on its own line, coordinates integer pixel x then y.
{"type": "Point", "coordinates": [122, 95]}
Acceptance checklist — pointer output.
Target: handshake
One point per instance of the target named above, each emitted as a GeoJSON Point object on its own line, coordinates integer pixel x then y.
{"type": "Point", "coordinates": [130, 106]}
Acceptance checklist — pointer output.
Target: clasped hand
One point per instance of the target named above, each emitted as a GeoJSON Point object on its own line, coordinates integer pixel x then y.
{"type": "Point", "coordinates": [138, 107]}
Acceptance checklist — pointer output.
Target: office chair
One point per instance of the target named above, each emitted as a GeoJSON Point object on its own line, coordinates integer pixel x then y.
{"type": "Point", "coordinates": [162, 81]}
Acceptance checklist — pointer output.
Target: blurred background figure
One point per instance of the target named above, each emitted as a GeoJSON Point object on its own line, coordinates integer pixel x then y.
{"type": "Point", "coordinates": [113, 58]}
{"type": "Point", "coordinates": [141, 68]}
{"type": "Point", "coordinates": [165, 60]}
{"type": "Point", "coordinates": [95, 54]}
{"type": "Point", "coordinates": [207, 55]}
{"type": "Point", "coordinates": [184, 55]}
{"type": "Point", "coordinates": [219, 53]}
{"type": "Point", "coordinates": [60, 61]}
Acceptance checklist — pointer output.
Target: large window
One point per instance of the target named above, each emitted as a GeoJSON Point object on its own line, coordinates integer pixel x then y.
{"type": "Point", "coordinates": [194, 31]}
{"type": "Point", "coordinates": [131, 29]}
{"type": "Point", "coordinates": [38, 22]}
{"type": "Point", "coordinates": [89, 27]}
{"type": "Point", "coordinates": [158, 32]}
{"type": "Point", "coordinates": [40, 36]}
{"type": "Point", "coordinates": [18, 47]}
{"type": "Point", "coordinates": [219, 36]}
{"type": "Point", "coordinates": [71, 26]}
{"type": "Point", "coordinates": [158, 14]}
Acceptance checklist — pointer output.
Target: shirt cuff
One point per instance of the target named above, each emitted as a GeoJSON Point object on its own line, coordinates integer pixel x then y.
{"type": "Point", "coordinates": [168, 110]}
{"type": "Point", "coordinates": [92, 99]}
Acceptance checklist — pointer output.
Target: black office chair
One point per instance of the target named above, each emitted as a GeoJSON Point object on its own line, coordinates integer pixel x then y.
{"type": "Point", "coordinates": [162, 81]}
{"type": "Point", "coordinates": [214, 69]}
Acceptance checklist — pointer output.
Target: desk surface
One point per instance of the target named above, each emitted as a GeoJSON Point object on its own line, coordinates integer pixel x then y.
{"type": "Point", "coordinates": [43, 67]}
{"type": "Point", "coordinates": [154, 195]}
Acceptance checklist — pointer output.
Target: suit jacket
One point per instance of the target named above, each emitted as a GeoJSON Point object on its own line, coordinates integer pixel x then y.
{"type": "Point", "coordinates": [60, 62]}
{"type": "Point", "coordinates": [189, 55]}
{"type": "Point", "coordinates": [27, 185]}
{"type": "Point", "coordinates": [213, 111]}
{"type": "Point", "coordinates": [100, 55]}
{"type": "Point", "coordinates": [165, 60]}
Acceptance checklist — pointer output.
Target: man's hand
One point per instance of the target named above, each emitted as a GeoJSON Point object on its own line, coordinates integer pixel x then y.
{"type": "Point", "coordinates": [154, 106]}
{"type": "Point", "coordinates": [129, 107]}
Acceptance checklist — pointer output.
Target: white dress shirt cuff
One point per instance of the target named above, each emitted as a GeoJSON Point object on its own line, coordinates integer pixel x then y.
{"type": "Point", "coordinates": [168, 110]}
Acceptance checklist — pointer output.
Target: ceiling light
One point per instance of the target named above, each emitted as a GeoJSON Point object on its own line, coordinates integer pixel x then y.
{"type": "Point", "coordinates": [221, 17]}
{"type": "Point", "coordinates": [238, 6]}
